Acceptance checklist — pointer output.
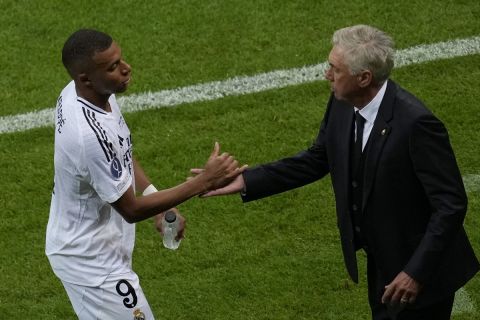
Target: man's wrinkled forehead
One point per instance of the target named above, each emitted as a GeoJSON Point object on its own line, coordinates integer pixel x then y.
{"type": "Point", "coordinates": [335, 58]}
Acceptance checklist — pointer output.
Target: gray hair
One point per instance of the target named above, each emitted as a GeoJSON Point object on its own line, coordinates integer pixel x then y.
{"type": "Point", "coordinates": [366, 48]}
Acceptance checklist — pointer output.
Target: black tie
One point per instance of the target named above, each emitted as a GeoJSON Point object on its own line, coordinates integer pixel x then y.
{"type": "Point", "coordinates": [357, 148]}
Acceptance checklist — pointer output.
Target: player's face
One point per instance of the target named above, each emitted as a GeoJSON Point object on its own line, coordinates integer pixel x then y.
{"type": "Point", "coordinates": [109, 73]}
{"type": "Point", "coordinates": [344, 85]}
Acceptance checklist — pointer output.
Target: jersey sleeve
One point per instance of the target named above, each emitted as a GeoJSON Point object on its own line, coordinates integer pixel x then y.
{"type": "Point", "coordinates": [106, 172]}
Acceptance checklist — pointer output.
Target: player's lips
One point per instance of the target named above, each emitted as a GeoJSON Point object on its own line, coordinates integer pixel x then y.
{"type": "Point", "coordinates": [126, 82]}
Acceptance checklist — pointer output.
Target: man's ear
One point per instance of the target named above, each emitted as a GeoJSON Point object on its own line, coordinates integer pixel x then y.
{"type": "Point", "coordinates": [83, 77]}
{"type": "Point", "coordinates": [364, 78]}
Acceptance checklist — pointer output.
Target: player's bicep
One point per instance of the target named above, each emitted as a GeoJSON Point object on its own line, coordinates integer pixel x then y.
{"type": "Point", "coordinates": [126, 205]}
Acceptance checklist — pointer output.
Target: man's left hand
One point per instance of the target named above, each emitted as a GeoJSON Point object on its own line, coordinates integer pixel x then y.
{"type": "Point", "coordinates": [403, 289]}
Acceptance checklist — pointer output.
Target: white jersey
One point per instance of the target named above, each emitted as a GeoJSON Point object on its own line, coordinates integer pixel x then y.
{"type": "Point", "coordinates": [86, 238]}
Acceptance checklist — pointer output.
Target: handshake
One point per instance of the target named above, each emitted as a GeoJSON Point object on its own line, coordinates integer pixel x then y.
{"type": "Point", "coordinates": [221, 175]}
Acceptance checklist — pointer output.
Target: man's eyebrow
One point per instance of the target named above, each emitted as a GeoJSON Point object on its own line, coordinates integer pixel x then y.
{"type": "Point", "coordinates": [101, 63]}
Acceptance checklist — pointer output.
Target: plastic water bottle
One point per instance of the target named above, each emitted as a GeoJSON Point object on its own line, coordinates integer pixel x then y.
{"type": "Point", "coordinates": [170, 225]}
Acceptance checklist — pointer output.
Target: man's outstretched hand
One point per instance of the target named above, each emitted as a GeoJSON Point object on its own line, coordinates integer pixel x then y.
{"type": "Point", "coordinates": [236, 186]}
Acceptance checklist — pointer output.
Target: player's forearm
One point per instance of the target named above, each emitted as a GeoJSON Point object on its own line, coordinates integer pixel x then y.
{"type": "Point", "coordinates": [135, 209]}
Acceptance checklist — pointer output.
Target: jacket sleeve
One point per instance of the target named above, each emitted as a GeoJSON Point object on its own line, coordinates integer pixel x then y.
{"type": "Point", "coordinates": [436, 168]}
{"type": "Point", "coordinates": [292, 172]}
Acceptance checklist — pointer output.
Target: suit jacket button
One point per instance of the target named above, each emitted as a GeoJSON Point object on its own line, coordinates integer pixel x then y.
{"type": "Point", "coordinates": [354, 207]}
{"type": "Point", "coordinates": [354, 183]}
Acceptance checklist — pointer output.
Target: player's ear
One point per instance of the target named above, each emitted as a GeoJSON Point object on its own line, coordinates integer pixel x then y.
{"type": "Point", "coordinates": [83, 77]}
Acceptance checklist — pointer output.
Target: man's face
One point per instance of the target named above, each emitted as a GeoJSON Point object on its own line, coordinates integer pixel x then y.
{"type": "Point", "coordinates": [109, 73]}
{"type": "Point", "coordinates": [343, 84]}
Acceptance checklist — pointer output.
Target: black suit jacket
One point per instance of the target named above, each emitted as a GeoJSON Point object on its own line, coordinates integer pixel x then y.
{"type": "Point", "coordinates": [414, 202]}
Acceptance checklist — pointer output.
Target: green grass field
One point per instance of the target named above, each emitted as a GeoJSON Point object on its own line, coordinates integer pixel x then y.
{"type": "Point", "coordinates": [278, 258]}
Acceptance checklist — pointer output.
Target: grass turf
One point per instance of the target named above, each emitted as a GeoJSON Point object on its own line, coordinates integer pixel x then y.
{"type": "Point", "coordinates": [278, 258]}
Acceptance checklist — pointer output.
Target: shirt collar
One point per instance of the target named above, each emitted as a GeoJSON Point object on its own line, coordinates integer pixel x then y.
{"type": "Point", "coordinates": [369, 112]}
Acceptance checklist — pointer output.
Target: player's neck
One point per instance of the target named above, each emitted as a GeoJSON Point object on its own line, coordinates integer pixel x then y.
{"type": "Point", "coordinates": [99, 100]}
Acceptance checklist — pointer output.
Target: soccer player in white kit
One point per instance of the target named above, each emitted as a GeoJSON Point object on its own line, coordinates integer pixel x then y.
{"type": "Point", "coordinates": [91, 231]}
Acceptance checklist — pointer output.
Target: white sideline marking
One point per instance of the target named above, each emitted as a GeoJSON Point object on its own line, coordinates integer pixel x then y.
{"type": "Point", "coordinates": [463, 303]}
{"type": "Point", "coordinates": [246, 84]}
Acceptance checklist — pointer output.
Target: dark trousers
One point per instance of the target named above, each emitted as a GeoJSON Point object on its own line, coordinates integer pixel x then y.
{"type": "Point", "coordinates": [440, 310]}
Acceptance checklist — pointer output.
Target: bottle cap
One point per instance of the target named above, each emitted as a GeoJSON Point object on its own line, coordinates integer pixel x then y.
{"type": "Point", "coordinates": [170, 216]}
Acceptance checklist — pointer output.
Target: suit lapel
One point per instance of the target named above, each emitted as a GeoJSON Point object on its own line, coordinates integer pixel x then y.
{"type": "Point", "coordinates": [378, 136]}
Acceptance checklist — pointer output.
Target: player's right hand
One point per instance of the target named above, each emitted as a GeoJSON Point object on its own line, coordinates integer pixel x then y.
{"type": "Point", "coordinates": [220, 169]}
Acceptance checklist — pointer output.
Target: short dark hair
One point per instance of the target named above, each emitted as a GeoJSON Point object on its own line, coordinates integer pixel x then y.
{"type": "Point", "coordinates": [81, 46]}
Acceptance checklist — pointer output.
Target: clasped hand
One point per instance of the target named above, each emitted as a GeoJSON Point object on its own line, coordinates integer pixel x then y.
{"type": "Point", "coordinates": [220, 170]}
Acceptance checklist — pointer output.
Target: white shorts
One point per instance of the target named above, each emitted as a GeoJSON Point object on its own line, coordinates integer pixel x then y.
{"type": "Point", "coordinates": [120, 297]}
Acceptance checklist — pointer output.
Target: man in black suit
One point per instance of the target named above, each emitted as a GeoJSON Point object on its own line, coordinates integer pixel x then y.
{"type": "Point", "coordinates": [399, 193]}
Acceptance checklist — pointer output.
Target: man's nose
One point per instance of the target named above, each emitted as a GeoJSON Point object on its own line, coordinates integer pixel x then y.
{"type": "Point", "coordinates": [328, 74]}
{"type": "Point", "coordinates": [126, 68]}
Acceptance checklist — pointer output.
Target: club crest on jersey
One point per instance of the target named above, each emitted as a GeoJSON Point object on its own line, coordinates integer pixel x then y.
{"type": "Point", "coordinates": [138, 315]}
{"type": "Point", "coordinates": [116, 168]}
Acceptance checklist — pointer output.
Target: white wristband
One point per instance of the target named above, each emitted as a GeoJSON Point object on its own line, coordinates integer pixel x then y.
{"type": "Point", "coordinates": [148, 190]}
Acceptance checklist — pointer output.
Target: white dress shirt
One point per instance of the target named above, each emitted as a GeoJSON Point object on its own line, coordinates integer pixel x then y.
{"type": "Point", "coordinates": [369, 113]}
